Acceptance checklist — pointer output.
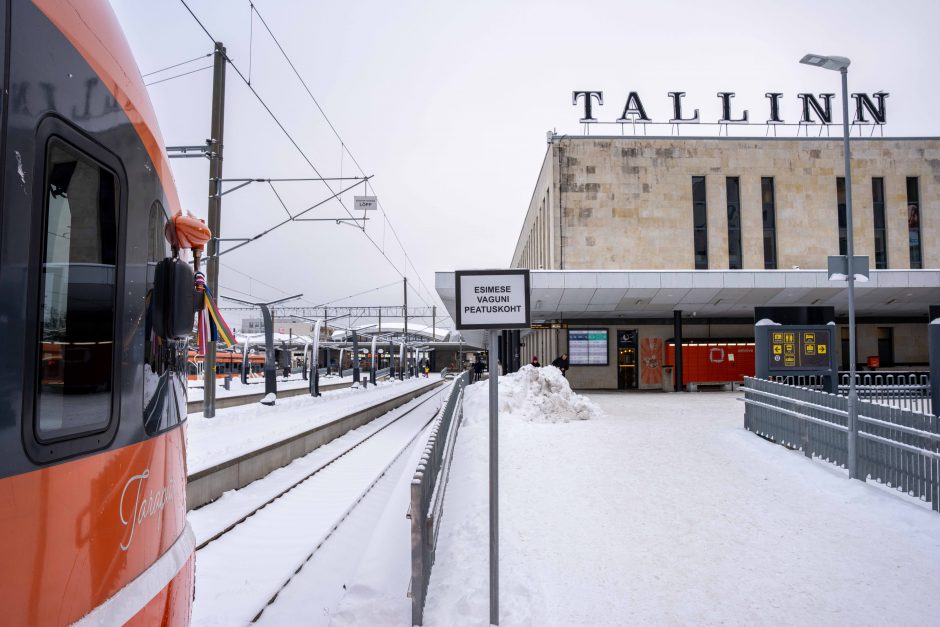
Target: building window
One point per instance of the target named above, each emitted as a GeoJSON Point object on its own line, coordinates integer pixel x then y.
{"type": "Point", "coordinates": [878, 208]}
{"type": "Point", "coordinates": [770, 222]}
{"type": "Point", "coordinates": [913, 222]}
{"type": "Point", "coordinates": [699, 223]}
{"type": "Point", "coordinates": [735, 261]}
{"type": "Point", "coordinates": [78, 295]}
{"type": "Point", "coordinates": [840, 199]}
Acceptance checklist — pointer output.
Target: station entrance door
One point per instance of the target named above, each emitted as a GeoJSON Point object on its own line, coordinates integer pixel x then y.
{"type": "Point", "coordinates": [627, 375]}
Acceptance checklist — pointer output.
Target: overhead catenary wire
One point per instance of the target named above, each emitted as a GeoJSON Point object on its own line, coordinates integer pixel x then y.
{"type": "Point", "coordinates": [344, 148]}
{"type": "Point", "coordinates": [253, 279]}
{"type": "Point", "coordinates": [303, 154]}
{"type": "Point", "coordinates": [175, 65]}
{"type": "Point", "coordinates": [170, 78]}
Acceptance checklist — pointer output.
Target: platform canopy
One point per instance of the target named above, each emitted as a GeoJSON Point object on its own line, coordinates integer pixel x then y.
{"type": "Point", "coordinates": [604, 294]}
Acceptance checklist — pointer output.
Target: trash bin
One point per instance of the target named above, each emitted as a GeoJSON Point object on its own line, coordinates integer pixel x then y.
{"type": "Point", "coordinates": [227, 382]}
{"type": "Point", "coordinates": [668, 383]}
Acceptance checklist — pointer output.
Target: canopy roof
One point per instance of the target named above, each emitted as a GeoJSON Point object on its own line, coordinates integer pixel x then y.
{"type": "Point", "coordinates": [598, 294]}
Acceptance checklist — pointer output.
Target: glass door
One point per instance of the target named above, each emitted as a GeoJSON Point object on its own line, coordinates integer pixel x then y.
{"type": "Point", "coordinates": [626, 359]}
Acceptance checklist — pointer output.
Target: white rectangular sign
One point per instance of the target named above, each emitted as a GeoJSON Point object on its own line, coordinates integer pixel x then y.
{"type": "Point", "coordinates": [364, 203]}
{"type": "Point", "coordinates": [492, 299]}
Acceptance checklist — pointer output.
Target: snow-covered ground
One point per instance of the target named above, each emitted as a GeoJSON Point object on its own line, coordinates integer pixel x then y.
{"type": "Point", "coordinates": [662, 509]}
{"type": "Point", "coordinates": [313, 537]}
{"type": "Point", "coordinates": [238, 430]}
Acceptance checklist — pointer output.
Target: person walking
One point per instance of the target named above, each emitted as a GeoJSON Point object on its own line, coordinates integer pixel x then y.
{"type": "Point", "coordinates": [478, 369]}
{"type": "Point", "coordinates": [562, 364]}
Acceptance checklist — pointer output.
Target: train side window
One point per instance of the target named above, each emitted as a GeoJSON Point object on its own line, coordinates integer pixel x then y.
{"type": "Point", "coordinates": [77, 295]}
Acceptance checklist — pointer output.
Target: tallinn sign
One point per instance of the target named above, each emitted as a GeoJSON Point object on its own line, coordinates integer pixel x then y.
{"type": "Point", "coordinates": [492, 299]}
{"type": "Point", "coordinates": [815, 108]}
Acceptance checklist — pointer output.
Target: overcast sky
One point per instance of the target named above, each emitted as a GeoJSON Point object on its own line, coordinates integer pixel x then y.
{"type": "Point", "coordinates": [447, 104]}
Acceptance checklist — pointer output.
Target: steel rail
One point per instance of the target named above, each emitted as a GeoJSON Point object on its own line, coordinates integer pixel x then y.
{"type": "Point", "coordinates": [358, 500]}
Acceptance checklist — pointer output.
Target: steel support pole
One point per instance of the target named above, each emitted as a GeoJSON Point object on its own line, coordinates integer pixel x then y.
{"type": "Point", "coordinates": [494, 479]}
{"type": "Point", "coordinates": [355, 351]}
{"type": "Point", "coordinates": [215, 214]}
{"type": "Point", "coordinates": [677, 335]}
{"type": "Point", "coordinates": [850, 252]}
{"type": "Point", "coordinates": [270, 367]}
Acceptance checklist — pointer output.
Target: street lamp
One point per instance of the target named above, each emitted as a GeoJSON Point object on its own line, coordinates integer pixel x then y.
{"type": "Point", "coordinates": [841, 65]}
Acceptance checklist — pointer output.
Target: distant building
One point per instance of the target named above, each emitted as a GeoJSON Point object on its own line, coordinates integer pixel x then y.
{"type": "Point", "coordinates": [628, 236]}
{"type": "Point", "coordinates": [285, 325]}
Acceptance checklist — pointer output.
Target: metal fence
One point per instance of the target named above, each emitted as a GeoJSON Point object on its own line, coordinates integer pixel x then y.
{"type": "Point", "coordinates": [907, 390]}
{"type": "Point", "coordinates": [427, 494]}
{"type": "Point", "coordinates": [904, 389]}
{"type": "Point", "coordinates": [897, 447]}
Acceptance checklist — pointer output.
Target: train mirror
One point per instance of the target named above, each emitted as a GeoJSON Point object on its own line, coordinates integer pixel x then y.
{"type": "Point", "coordinates": [173, 299]}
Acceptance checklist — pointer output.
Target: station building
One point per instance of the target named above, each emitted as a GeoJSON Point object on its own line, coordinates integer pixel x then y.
{"type": "Point", "coordinates": [633, 241]}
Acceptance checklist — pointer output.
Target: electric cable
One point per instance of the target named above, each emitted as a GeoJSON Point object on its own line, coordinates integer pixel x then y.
{"type": "Point", "coordinates": [343, 146]}
{"type": "Point", "coordinates": [170, 67]}
{"type": "Point", "coordinates": [163, 80]}
{"type": "Point", "coordinates": [303, 154]}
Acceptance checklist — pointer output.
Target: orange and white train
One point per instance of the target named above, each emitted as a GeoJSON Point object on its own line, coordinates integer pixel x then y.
{"type": "Point", "coordinates": [93, 377]}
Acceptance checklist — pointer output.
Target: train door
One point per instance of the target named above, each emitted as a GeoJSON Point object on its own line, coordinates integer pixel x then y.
{"type": "Point", "coordinates": [626, 359]}
{"type": "Point", "coordinates": [885, 347]}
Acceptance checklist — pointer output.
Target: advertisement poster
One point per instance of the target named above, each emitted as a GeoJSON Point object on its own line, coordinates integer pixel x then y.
{"type": "Point", "coordinates": [651, 361]}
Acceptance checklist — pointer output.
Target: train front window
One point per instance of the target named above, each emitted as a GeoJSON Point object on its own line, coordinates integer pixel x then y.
{"type": "Point", "coordinates": [77, 296]}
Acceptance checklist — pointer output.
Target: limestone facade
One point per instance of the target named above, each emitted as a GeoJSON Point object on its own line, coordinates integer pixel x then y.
{"type": "Point", "coordinates": [604, 203]}
{"type": "Point", "coordinates": [626, 203]}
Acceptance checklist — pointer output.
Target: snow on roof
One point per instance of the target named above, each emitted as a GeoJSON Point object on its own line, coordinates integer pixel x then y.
{"type": "Point", "coordinates": [394, 327]}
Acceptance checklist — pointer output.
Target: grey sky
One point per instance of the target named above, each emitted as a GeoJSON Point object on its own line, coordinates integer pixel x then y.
{"type": "Point", "coordinates": [448, 103]}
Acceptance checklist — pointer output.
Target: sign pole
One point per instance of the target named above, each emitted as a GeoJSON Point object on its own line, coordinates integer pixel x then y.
{"type": "Point", "coordinates": [494, 478]}
{"type": "Point", "coordinates": [493, 300]}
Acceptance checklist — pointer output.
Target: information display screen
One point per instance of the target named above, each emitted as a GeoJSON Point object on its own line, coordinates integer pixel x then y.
{"type": "Point", "coordinates": [799, 350]}
{"type": "Point", "coordinates": [587, 347]}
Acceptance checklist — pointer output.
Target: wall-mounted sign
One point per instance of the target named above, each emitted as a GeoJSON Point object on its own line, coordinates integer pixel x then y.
{"type": "Point", "coordinates": [365, 203]}
{"type": "Point", "coordinates": [492, 299]}
{"type": "Point", "coordinates": [814, 108]}
{"type": "Point", "coordinates": [549, 325]}
{"type": "Point", "coordinates": [587, 347]}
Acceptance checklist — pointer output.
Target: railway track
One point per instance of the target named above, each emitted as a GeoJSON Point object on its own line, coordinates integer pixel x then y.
{"type": "Point", "coordinates": [282, 521]}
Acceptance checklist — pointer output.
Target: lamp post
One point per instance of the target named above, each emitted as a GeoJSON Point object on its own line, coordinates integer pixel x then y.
{"type": "Point", "coordinates": [841, 64]}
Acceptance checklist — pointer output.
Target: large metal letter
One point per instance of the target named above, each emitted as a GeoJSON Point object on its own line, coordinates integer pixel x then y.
{"type": "Point", "coordinates": [634, 107]}
{"type": "Point", "coordinates": [862, 102]}
{"type": "Point", "coordinates": [824, 112]}
{"type": "Point", "coordinates": [588, 114]}
{"type": "Point", "coordinates": [726, 118]}
{"type": "Point", "coordinates": [677, 109]}
{"type": "Point", "coordinates": [774, 97]}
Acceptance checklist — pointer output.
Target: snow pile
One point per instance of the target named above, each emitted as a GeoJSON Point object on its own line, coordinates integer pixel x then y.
{"type": "Point", "coordinates": [533, 395]}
